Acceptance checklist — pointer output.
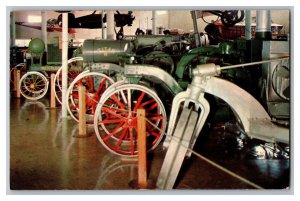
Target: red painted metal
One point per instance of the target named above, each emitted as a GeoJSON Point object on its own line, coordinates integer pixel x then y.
{"type": "Point", "coordinates": [120, 120]}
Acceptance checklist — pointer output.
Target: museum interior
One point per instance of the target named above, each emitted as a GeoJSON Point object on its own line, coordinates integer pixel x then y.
{"type": "Point", "coordinates": [149, 99]}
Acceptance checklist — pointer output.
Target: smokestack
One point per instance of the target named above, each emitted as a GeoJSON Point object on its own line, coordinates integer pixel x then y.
{"type": "Point", "coordinates": [263, 25]}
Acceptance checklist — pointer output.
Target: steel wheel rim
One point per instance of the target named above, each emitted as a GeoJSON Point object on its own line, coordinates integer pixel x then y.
{"type": "Point", "coordinates": [33, 85]}
{"type": "Point", "coordinates": [92, 97]}
{"type": "Point", "coordinates": [121, 139]}
{"type": "Point", "coordinates": [75, 71]}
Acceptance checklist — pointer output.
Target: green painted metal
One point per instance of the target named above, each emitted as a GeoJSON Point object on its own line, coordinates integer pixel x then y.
{"type": "Point", "coordinates": [142, 41]}
{"type": "Point", "coordinates": [204, 53]}
{"type": "Point", "coordinates": [133, 79]}
{"type": "Point", "coordinates": [77, 52]}
{"type": "Point", "coordinates": [161, 60]}
{"type": "Point", "coordinates": [36, 46]}
{"type": "Point", "coordinates": [43, 68]}
{"type": "Point", "coordinates": [110, 51]}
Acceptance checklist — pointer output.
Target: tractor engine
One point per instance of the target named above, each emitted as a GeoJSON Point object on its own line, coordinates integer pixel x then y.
{"type": "Point", "coordinates": [106, 51]}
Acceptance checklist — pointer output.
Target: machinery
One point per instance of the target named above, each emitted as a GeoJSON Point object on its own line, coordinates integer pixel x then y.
{"type": "Point", "coordinates": [169, 54]}
{"type": "Point", "coordinates": [172, 83]}
{"type": "Point", "coordinates": [275, 81]}
{"type": "Point", "coordinates": [108, 58]}
{"type": "Point", "coordinates": [149, 71]}
{"type": "Point", "coordinates": [34, 83]}
{"type": "Point", "coordinates": [140, 84]}
{"type": "Point", "coordinates": [181, 136]}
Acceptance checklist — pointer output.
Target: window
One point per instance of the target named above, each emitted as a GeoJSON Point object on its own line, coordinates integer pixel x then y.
{"type": "Point", "coordinates": [34, 19]}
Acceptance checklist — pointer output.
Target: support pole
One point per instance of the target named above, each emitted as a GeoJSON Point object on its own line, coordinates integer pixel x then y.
{"type": "Point", "coordinates": [248, 25]}
{"type": "Point", "coordinates": [196, 30]}
{"type": "Point", "coordinates": [154, 22]}
{"type": "Point", "coordinates": [52, 88]}
{"type": "Point", "coordinates": [44, 28]}
{"type": "Point", "coordinates": [110, 25]}
{"type": "Point", "coordinates": [18, 75]}
{"type": "Point", "coordinates": [104, 33]}
{"type": "Point", "coordinates": [15, 79]}
{"type": "Point", "coordinates": [142, 157]}
{"type": "Point", "coordinates": [82, 108]}
{"type": "Point", "coordinates": [64, 65]}
{"type": "Point", "coordinates": [13, 29]}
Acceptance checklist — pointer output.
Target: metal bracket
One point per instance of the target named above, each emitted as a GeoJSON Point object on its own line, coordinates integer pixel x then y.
{"type": "Point", "coordinates": [177, 150]}
{"type": "Point", "coordinates": [201, 106]}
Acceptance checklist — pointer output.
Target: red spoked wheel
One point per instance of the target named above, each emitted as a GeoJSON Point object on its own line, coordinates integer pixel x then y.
{"type": "Point", "coordinates": [115, 121]}
{"type": "Point", "coordinates": [95, 84]}
{"type": "Point", "coordinates": [75, 67]}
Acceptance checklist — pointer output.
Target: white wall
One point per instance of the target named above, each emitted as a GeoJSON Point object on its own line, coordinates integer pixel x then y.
{"type": "Point", "coordinates": [282, 17]}
{"type": "Point", "coordinates": [26, 32]}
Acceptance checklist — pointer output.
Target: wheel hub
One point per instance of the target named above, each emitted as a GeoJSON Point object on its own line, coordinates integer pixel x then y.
{"type": "Point", "coordinates": [32, 86]}
{"type": "Point", "coordinates": [130, 121]}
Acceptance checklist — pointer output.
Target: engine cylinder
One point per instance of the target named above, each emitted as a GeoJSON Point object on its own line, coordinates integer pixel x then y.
{"type": "Point", "coordinates": [105, 51]}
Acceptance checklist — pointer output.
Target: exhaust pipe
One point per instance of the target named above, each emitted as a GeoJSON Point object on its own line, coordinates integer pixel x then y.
{"type": "Point", "coordinates": [263, 25]}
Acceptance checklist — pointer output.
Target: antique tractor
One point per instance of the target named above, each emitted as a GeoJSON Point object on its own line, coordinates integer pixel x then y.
{"type": "Point", "coordinates": [147, 72]}
{"type": "Point", "coordinates": [34, 83]}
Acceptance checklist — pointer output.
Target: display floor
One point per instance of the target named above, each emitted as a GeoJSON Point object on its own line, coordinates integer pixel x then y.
{"type": "Point", "coordinates": [46, 155]}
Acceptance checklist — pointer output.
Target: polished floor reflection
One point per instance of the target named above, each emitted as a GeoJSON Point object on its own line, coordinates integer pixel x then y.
{"type": "Point", "coordinates": [45, 155]}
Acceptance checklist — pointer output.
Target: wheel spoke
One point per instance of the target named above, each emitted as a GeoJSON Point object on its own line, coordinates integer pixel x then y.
{"type": "Point", "coordinates": [108, 110]}
{"type": "Point", "coordinates": [153, 133]}
{"type": "Point", "coordinates": [139, 100]}
{"type": "Point", "coordinates": [120, 140]}
{"type": "Point", "coordinates": [116, 100]}
{"type": "Point", "coordinates": [147, 102]}
{"type": "Point", "coordinates": [136, 96]}
{"type": "Point", "coordinates": [157, 136]}
{"type": "Point", "coordinates": [91, 84]}
{"type": "Point", "coordinates": [115, 131]}
{"type": "Point", "coordinates": [153, 106]}
{"type": "Point", "coordinates": [129, 100]}
{"type": "Point", "coordinates": [39, 81]}
{"type": "Point", "coordinates": [157, 117]}
{"type": "Point", "coordinates": [123, 111]}
{"type": "Point", "coordinates": [33, 85]}
{"type": "Point", "coordinates": [110, 121]}
{"type": "Point", "coordinates": [102, 84]}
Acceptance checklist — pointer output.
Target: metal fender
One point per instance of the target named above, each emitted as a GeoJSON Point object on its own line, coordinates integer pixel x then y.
{"type": "Point", "coordinates": [255, 120]}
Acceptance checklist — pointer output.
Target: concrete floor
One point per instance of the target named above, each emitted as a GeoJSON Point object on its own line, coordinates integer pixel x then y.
{"type": "Point", "coordinates": [45, 155]}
